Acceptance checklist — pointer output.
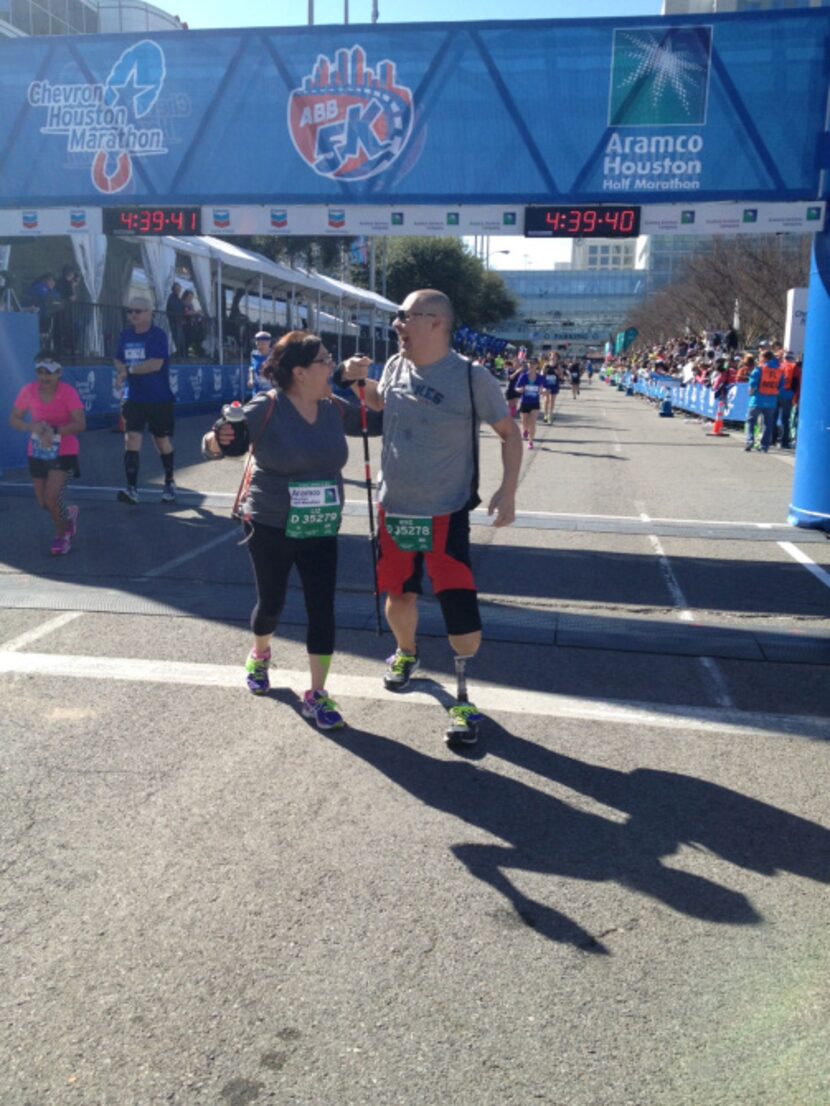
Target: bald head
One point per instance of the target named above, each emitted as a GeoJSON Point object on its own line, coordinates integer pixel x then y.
{"type": "Point", "coordinates": [429, 299]}
{"type": "Point", "coordinates": [425, 328]}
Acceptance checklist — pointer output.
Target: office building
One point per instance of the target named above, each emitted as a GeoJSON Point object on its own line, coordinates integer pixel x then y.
{"type": "Point", "coordinates": [570, 308]}
{"type": "Point", "coordinates": [19, 18]}
{"type": "Point", "coordinates": [717, 7]}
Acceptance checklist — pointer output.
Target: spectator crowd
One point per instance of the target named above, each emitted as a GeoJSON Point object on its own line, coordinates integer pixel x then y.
{"type": "Point", "coordinates": [714, 360]}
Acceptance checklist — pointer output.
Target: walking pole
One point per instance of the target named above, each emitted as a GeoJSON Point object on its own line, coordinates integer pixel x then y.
{"type": "Point", "coordinates": [364, 426]}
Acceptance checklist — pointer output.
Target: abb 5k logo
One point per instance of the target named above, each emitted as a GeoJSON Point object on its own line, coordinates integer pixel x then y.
{"type": "Point", "coordinates": [349, 122]}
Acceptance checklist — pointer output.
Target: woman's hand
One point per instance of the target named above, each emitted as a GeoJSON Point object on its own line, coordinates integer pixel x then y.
{"type": "Point", "coordinates": [44, 433]}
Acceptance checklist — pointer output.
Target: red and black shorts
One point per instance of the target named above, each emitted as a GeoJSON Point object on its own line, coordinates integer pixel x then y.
{"type": "Point", "coordinates": [448, 566]}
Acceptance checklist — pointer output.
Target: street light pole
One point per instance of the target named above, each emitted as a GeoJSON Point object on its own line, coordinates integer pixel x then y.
{"type": "Point", "coordinates": [492, 253]}
{"type": "Point", "coordinates": [311, 13]}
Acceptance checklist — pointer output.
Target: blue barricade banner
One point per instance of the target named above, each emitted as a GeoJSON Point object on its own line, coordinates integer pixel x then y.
{"type": "Point", "coordinates": [632, 109]}
{"type": "Point", "coordinates": [19, 340]}
{"type": "Point", "coordinates": [196, 387]}
{"type": "Point", "coordinates": [697, 399]}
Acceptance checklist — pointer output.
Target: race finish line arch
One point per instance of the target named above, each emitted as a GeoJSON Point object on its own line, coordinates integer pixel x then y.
{"type": "Point", "coordinates": [715, 125]}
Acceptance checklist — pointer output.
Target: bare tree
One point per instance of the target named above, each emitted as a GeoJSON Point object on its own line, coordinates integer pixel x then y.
{"type": "Point", "coordinates": [756, 271]}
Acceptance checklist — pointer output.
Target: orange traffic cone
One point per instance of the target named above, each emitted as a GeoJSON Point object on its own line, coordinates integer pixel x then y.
{"type": "Point", "coordinates": [717, 430]}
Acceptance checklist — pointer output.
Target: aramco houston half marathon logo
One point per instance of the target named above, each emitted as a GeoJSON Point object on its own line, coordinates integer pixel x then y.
{"type": "Point", "coordinates": [100, 119]}
{"type": "Point", "coordinates": [349, 122]}
{"type": "Point", "coordinates": [659, 78]}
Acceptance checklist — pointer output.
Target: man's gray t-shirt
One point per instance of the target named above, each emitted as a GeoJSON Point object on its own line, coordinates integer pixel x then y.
{"type": "Point", "coordinates": [289, 450]}
{"type": "Point", "coordinates": [427, 457]}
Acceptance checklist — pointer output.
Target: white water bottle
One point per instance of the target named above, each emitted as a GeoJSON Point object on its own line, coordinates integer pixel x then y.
{"type": "Point", "coordinates": [234, 414]}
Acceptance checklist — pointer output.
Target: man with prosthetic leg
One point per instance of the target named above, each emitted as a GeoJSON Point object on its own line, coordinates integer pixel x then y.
{"type": "Point", "coordinates": [433, 402]}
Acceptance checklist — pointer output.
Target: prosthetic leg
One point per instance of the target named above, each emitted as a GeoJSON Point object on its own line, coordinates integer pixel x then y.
{"type": "Point", "coordinates": [464, 719]}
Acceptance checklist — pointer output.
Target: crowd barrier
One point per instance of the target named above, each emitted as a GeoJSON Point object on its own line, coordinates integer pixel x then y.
{"type": "Point", "coordinates": [697, 399]}
{"type": "Point", "coordinates": [195, 387]}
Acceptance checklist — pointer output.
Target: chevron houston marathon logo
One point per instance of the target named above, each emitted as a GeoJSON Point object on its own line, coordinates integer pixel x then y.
{"type": "Point", "coordinates": [103, 119]}
{"type": "Point", "coordinates": [347, 121]}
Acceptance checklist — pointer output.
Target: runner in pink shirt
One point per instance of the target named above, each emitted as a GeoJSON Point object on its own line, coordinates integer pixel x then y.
{"type": "Point", "coordinates": [52, 414]}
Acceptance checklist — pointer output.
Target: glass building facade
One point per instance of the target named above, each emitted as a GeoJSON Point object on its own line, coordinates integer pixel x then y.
{"type": "Point", "coordinates": [577, 308]}
{"type": "Point", "coordinates": [49, 17]}
{"type": "Point", "coordinates": [82, 17]}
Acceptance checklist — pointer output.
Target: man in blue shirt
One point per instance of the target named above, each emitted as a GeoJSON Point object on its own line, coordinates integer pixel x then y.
{"type": "Point", "coordinates": [141, 363]}
{"type": "Point", "coordinates": [764, 388]}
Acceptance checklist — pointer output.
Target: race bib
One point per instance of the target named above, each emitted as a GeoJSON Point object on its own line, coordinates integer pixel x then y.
{"type": "Point", "coordinates": [315, 510]}
{"type": "Point", "coordinates": [46, 453]}
{"type": "Point", "coordinates": [410, 534]}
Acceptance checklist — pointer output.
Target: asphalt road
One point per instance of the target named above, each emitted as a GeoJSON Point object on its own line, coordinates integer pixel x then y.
{"type": "Point", "coordinates": [620, 898]}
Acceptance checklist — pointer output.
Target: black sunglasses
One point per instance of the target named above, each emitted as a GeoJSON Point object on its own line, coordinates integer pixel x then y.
{"type": "Point", "coordinates": [402, 316]}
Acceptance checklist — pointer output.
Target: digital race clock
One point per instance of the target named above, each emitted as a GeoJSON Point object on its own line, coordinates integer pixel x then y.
{"type": "Point", "coordinates": [599, 221]}
{"type": "Point", "coordinates": [146, 221]}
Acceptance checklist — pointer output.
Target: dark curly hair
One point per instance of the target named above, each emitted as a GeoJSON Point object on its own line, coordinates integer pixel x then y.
{"type": "Point", "coordinates": [296, 348]}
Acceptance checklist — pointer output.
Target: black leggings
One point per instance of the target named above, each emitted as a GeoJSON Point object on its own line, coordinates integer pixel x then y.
{"type": "Point", "coordinates": [272, 555]}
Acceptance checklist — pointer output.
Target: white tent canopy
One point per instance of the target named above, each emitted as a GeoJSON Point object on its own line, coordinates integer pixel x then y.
{"type": "Point", "coordinates": [275, 272]}
{"type": "Point", "coordinates": [276, 292]}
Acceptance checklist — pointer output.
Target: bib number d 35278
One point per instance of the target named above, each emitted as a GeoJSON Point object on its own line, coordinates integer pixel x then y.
{"type": "Point", "coordinates": [410, 534]}
{"type": "Point", "coordinates": [315, 509]}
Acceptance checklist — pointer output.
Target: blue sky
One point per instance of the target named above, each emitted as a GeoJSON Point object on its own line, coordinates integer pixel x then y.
{"type": "Point", "coordinates": [201, 14]}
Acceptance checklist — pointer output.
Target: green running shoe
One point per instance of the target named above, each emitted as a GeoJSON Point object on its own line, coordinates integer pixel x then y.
{"type": "Point", "coordinates": [464, 721]}
{"type": "Point", "coordinates": [402, 667]}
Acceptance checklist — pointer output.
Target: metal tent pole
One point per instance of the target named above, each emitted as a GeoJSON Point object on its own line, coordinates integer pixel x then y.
{"type": "Point", "coordinates": [220, 320]}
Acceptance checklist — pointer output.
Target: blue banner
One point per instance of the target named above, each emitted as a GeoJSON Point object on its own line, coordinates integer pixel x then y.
{"type": "Point", "coordinates": [635, 109]}
{"type": "Point", "coordinates": [697, 399]}
{"type": "Point", "coordinates": [196, 387]}
{"type": "Point", "coordinates": [18, 346]}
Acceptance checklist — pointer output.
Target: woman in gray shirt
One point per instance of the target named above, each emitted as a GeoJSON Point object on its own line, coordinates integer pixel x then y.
{"type": "Point", "coordinates": [293, 504]}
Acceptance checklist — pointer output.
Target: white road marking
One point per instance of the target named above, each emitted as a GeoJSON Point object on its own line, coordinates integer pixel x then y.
{"type": "Point", "coordinates": [489, 698]}
{"type": "Point", "coordinates": [197, 552]}
{"type": "Point", "coordinates": [358, 507]}
{"type": "Point", "coordinates": [38, 632]}
{"type": "Point", "coordinates": [685, 614]}
{"type": "Point", "coordinates": [798, 555]}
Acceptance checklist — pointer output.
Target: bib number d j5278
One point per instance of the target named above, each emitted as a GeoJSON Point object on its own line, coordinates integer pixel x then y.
{"type": "Point", "coordinates": [410, 534]}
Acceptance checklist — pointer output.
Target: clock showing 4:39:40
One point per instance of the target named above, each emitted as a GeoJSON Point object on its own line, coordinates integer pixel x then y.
{"type": "Point", "coordinates": [597, 221]}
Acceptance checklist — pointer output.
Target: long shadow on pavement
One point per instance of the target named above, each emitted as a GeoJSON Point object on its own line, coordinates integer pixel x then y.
{"type": "Point", "coordinates": [544, 835]}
